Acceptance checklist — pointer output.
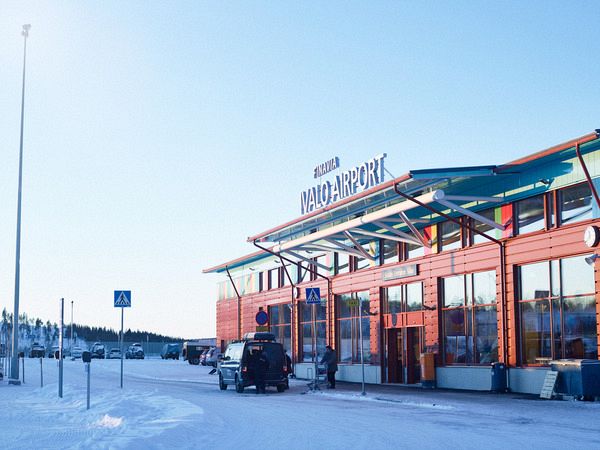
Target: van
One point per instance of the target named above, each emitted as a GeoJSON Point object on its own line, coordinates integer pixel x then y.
{"type": "Point", "coordinates": [233, 369]}
{"type": "Point", "coordinates": [170, 351]}
{"type": "Point", "coordinates": [191, 352]}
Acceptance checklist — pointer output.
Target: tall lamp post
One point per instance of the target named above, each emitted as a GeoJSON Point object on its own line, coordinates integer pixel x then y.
{"type": "Point", "coordinates": [14, 369]}
{"type": "Point", "coordinates": [71, 335]}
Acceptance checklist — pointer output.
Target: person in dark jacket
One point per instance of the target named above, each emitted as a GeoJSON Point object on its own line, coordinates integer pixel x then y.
{"type": "Point", "coordinates": [288, 364]}
{"type": "Point", "coordinates": [258, 365]}
{"type": "Point", "coordinates": [330, 359]}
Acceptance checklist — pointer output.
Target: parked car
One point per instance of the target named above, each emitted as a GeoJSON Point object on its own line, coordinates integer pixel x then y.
{"type": "Point", "coordinates": [233, 369]}
{"type": "Point", "coordinates": [170, 351]}
{"type": "Point", "coordinates": [76, 352]}
{"type": "Point", "coordinates": [213, 357]}
{"type": "Point", "coordinates": [135, 351]}
{"type": "Point", "coordinates": [202, 359]}
{"type": "Point", "coordinates": [191, 352]}
{"type": "Point", "coordinates": [97, 350]}
{"type": "Point", "coordinates": [37, 350]}
{"type": "Point", "coordinates": [115, 353]}
{"type": "Point", "coordinates": [53, 350]}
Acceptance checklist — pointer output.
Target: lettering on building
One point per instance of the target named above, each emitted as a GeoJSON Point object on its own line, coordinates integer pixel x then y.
{"type": "Point", "coordinates": [345, 184]}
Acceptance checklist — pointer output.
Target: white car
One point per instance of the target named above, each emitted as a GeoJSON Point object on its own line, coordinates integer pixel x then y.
{"type": "Point", "coordinates": [76, 352]}
{"type": "Point", "coordinates": [114, 353]}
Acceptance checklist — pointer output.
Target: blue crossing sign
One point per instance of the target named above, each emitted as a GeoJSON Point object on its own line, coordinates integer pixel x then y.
{"type": "Point", "coordinates": [313, 296]}
{"type": "Point", "coordinates": [122, 299]}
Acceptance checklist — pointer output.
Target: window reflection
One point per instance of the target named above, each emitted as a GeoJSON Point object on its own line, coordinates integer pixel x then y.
{"type": "Point", "coordinates": [470, 327]}
{"type": "Point", "coordinates": [450, 235]}
{"type": "Point", "coordinates": [348, 325]}
{"type": "Point", "coordinates": [561, 325]}
{"type": "Point", "coordinates": [530, 214]}
{"type": "Point", "coordinates": [575, 203]}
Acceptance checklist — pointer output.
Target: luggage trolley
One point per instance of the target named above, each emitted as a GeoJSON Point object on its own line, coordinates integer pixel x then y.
{"type": "Point", "coordinates": [320, 379]}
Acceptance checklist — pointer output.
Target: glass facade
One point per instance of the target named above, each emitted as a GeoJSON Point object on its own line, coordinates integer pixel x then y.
{"type": "Point", "coordinates": [405, 298]}
{"type": "Point", "coordinates": [307, 325]}
{"type": "Point", "coordinates": [469, 318]}
{"type": "Point", "coordinates": [575, 203]}
{"type": "Point", "coordinates": [450, 235]}
{"type": "Point", "coordinates": [342, 263]}
{"type": "Point", "coordinates": [389, 252]}
{"type": "Point", "coordinates": [280, 323]}
{"type": "Point", "coordinates": [348, 327]}
{"type": "Point", "coordinates": [530, 214]}
{"type": "Point", "coordinates": [557, 311]}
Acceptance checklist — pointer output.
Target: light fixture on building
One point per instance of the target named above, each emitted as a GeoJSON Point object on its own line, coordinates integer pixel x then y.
{"type": "Point", "coordinates": [592, 259]}
{"type": "Point", "coordinates": [591, 236]}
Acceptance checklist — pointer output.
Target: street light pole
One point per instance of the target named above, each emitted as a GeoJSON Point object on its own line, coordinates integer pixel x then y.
{"type": "Point", "coordinates": [14, 369]}
{"type": "Point", "coordinates": [71, 336]}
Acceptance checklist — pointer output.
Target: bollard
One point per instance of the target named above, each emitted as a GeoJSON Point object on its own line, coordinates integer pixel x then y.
{"type": "Point", "coordinates": [41, 372]}
{"type": "Point", "coordinates": [22, 356]}
{"type": "Point", "coordinates": [86, 357]}
{"type": "Point", "coordinates": [87, 368]}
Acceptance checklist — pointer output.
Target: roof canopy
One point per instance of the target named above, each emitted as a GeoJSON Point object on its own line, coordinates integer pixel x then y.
{"type": "Point", "coordinates": [380, 213]}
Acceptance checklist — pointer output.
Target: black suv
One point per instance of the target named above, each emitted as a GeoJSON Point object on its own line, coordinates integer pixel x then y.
{"type": "Point", "coordinates": [233, 368]}
{"type": "Point", "coordinates": [97, 350]}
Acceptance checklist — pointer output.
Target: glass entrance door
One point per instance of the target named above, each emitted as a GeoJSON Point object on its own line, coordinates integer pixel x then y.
{"type": "Point", "coordinates": [404, 347]}
{"type": "Point", "coordinates": [395, 356]}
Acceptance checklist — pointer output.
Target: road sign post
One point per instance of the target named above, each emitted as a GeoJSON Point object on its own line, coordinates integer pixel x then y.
{"type": "Point", "coordinates": [313, 297]}
{"type": "Point", "coordinates": [122, 300]}
{"type": "Point", "coordinates": [60, 348]}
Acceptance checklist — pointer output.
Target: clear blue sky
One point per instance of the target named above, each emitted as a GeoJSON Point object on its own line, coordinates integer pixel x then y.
{"type": "Point", "coordinates": [159, 135]}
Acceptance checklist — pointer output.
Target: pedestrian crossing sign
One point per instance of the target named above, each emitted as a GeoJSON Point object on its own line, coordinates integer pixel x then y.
{"type": "Point", "coordinates": [122, 299]}
{"type": "Point", "coordinates": [313, 296]}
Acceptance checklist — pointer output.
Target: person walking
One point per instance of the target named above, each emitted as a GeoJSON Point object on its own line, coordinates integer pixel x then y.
{"type": "Point", "coordinates": [330, 359]}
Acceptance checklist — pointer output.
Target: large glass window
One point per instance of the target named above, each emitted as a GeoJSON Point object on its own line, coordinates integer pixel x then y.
{"type": "Point", "coordinates": [575, 203]}
{"type": "Point", "coordinates": [450, 237]}
{"type": "Point", "coordinates": [389, 251]}
{"type": "Point", "coordinates": [405, 298]}
{"type": "Point", "coordinates": [557, 311]}
{"type": "Point", "coordinates": [307, 325]}
{"type": "Point", "coordinates": [530, 214]}
{"type": "Point", "coordinates": [414, 251]}
{"type": "Point", "coordinates": [348, 325]}
{"type": "Point", "coordinates": [470, 318]}
{"type": "Point", "coordinates": [342, 263]}
{"type": "Point", "coordinates": [280, 322]}
{"type": "Point", "coordinates": [273, 278]}
{"type": "Point", "coordinates": [484, 227]}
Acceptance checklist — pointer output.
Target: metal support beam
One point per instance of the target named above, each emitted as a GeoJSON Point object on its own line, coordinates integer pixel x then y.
{"type": "Point", "coordinates": [239, 305]}
{"type": "Point", "coordinates": [411, 226]}
{"type": "Point", "coordinates": [359, 247]}
{"type": "Point", "coordinates": [345, 248]}
{"type": "Point", "coordinates": [312, 262]}
{"type": "Point", "coordinates": [397, 232]}
{"type": "Point", "coordinates": [587, 174]}
{"type": "Point", "coordinates": [408, 239]}
{"type": "Point", "coordinates": [472, 214]}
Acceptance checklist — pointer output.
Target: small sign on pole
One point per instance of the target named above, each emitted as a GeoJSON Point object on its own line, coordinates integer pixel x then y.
{"type": "Point", "coordinates": [122, 300]}
{"type": "Point", "coordinates": [313, 296]}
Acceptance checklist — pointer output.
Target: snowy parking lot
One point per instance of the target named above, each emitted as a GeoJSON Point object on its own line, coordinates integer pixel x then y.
{"type": "Point", "coordinates": [170, 404]}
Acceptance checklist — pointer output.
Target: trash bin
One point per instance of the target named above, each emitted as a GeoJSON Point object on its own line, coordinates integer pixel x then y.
{"type": "Point", "coordinates": [427, 370]}
{"type": "Point", "coordinates": [498, 377]}
{"type": "Point", "coordinates": [577, 377]}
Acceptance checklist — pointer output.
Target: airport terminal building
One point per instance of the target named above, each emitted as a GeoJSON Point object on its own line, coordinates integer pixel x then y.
{"type": "Point", "coordinates": [475, 265]}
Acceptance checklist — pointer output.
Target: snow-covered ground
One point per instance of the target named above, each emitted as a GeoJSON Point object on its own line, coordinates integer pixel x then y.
{"type": "Point", "coordinates": [170, 404]}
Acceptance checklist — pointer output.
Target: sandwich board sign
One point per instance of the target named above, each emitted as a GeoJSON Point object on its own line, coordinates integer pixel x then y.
{"type": "Point", "coordinates": [313, 296]}
{"type": "Point", "coordinates": [122, 299]}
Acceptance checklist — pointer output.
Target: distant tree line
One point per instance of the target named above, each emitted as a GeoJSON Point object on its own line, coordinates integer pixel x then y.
{"type": "Point", "coordinates": [34, 329]}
